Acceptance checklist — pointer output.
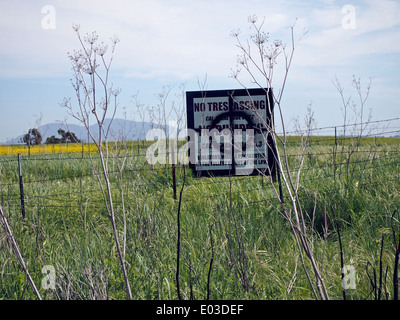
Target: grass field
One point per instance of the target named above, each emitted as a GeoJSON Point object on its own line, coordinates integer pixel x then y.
{"type": "Point", "coordinates": [231, 221]}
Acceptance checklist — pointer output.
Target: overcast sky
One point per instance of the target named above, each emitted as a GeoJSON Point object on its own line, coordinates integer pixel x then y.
{"type": "Point", "coordinates": [168, 42]}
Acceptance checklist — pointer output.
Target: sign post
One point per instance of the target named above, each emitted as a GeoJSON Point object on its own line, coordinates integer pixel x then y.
{"type": "Point", "coordinates": [230, 132]}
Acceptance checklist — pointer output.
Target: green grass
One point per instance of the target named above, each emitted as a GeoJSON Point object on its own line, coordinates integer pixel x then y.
{"type": "Point", "coordinates": [255, 256]}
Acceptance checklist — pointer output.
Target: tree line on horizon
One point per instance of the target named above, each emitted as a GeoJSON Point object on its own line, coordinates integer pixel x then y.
{"type": "Point", "coordinates": [34, 137]}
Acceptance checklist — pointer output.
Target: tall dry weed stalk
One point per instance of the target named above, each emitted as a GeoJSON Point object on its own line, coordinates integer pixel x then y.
{"type": "Point", "coordinates": [258, 58]}
{"type": "Point", "coordinates": [17, 252]}
{"type": "Point", "coordinates": [97, 100]}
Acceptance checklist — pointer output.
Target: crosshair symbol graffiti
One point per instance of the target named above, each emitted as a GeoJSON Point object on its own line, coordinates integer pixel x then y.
{"type": "Point", "coordinates": [231, 115]}
{"type": "Point", "coordinates": [242, 114]}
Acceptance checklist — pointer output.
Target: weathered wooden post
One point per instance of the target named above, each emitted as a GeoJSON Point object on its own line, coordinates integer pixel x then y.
{"type": "Point", "coordinates": [21, 187]}
{"type": "Point", "coordinates": [334, 155]}
{"type": "Point", "coordinates": [172, 144]}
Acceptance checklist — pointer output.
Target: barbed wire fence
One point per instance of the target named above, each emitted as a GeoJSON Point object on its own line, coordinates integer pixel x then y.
{"type": "Point", "coordinates": [28, 191]}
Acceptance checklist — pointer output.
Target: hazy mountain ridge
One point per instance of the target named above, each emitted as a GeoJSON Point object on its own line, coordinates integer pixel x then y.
{"type": "Point", "coordinates": [120, 129]}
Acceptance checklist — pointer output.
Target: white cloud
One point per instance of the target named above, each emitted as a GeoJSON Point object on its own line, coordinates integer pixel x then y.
{"type": "Point", "coordinates": [329, 44]}
{"type": "Point", "coordinates": [164, 35]}
{"type": "Point", "coordinates": [184, 40]}
{"type": "Point", "coordinates": [378, 16]}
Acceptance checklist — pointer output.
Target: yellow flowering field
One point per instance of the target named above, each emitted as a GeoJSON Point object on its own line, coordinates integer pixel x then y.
{"type": "Point", "coordinates": [13, 150]}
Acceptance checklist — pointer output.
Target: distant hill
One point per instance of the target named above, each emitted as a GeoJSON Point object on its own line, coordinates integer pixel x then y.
{"type": "Point", "coordinates": [120, 130]}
